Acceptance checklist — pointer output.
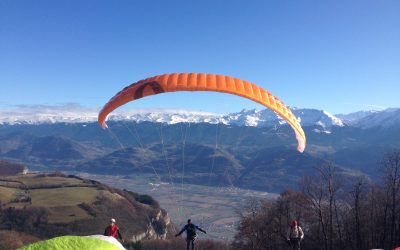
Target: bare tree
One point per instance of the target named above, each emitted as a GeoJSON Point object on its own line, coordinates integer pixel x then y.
{"type": "Point", "coordinates": [321, 191]}
{"type": "Point", "coordinates": [390, 166]}
{"type": "Point", "coordinates": [362, 215]}
{"type": "Point", "coordinates": [357, 195]}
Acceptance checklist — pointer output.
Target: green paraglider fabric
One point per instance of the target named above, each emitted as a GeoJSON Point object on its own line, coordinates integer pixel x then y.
{"type": "Point", "coordinates": [71, 243]}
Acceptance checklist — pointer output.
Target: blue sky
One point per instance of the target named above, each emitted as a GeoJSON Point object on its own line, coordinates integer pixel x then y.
{"type": "Point", "coordinates": [341, 56]}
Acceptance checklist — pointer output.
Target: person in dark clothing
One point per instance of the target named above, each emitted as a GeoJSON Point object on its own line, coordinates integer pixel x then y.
{"type": "Point", "coordinates": [113, 230]}
{"type": "Point", "coordinates": [190, 229]}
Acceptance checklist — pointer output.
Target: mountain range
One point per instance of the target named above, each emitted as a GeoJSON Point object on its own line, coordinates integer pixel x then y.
{"type": "Point", "coordinates": [253, 117]}
{"type": "Point", "coordinates": [252, 148]}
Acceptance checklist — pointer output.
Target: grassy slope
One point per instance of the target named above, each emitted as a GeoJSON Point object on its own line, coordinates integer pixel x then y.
{"type": "Point", "coordinates": [43, 191]}
{"type": "Point", "coordinates": [62, 203]}
{"type": "Point", "coordinates": [68, 196]}
{"type": "Point", "coordinates": [71, 205]}
{"type": "Point", "coordinates": [7, 194]}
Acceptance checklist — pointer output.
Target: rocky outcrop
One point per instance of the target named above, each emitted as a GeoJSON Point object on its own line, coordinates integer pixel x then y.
{"type": "Point", "coordinates": [158, 228]}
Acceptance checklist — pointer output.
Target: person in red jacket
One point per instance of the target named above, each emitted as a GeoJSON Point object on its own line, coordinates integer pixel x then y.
{"type": "Point", "coordinates": [295, 235]}
{"type": "Point", "coordinates": [113, 230]}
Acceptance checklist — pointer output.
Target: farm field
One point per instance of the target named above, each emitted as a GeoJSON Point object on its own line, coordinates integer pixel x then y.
{"type": "Point", "coordinates": [59, 195]}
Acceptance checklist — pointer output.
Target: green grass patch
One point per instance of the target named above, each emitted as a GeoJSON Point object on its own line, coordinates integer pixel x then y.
{"type": "Point", "coordinates": [7, 194]}
{"type": "Point", "coordinates": [62, 196]}
{"type": "Point", "coordinates": [34, 180]}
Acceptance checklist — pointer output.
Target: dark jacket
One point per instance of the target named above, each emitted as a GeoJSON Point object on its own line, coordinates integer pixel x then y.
{"type": "Point", "coordinates": [190, 231]}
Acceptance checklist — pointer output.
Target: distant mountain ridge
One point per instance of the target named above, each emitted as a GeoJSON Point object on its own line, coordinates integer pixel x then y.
{"type": "Point", "coordinates": [253, 117]}
{"type": "Point", "coordinates": [237, 148]}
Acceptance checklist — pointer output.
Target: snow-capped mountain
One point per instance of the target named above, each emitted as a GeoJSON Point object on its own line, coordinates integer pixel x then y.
{"type": "Point", "coordinates": [266, 117]}
{"type": "Point", "coordinates": [253, 117]}
{"type": "Point", "coordinates": [165, 116]}
{"type": "Point", "coordinates": [353, 118]}
{"type": "Point", "coordinates": [310, 117]}
{"type": "Point", "coordinates": [39, 114]}
{"type": "Point", "coordinates": [76, 114]}
{"type": "Point", "coordinates": [383, 119]}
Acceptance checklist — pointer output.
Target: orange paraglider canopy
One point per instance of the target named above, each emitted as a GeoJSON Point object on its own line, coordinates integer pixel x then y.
{"type": "Point", "coordinates": [202, 82]}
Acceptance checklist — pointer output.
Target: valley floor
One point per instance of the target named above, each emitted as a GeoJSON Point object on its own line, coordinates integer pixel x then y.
{"type": "Point", "coordinates": [212, 208]}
